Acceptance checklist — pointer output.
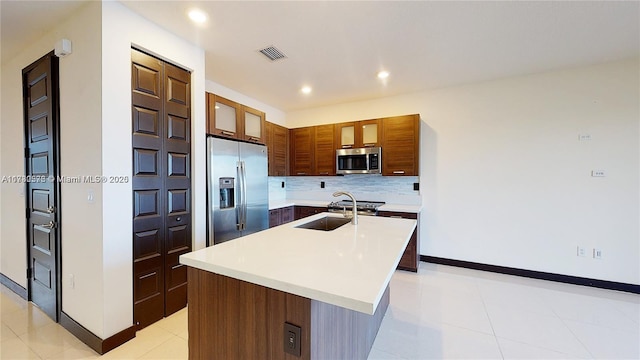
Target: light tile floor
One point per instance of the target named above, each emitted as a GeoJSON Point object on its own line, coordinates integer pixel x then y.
{"type": "Point", "coordinates": [440, 313]}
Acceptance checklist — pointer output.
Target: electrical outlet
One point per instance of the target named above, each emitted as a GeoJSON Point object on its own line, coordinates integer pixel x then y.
{"type": "Point", "coordinates": [598, 173]}
{"type": "Point", "coordinates": [322, 184]}
{"type": "Point", "coordinates": [292, 339]}
{"type": "Point", "coordinates": [581, 252]}
{"type": "Point", "coordinates": [597, 254]}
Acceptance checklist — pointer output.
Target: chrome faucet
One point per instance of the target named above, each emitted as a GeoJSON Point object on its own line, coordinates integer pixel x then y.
{"type": "Point", "coordinates": [354, 210]}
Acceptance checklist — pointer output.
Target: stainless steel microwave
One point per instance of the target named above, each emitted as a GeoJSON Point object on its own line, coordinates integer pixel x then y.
{"type": "Point", "coordinates": [359, 161]}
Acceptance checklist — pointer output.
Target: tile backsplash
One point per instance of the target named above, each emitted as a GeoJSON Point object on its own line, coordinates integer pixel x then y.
{"type": "Point", "coordinates": [391, 189]}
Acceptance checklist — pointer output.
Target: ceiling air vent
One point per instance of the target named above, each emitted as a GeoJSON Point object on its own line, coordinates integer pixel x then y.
{"type": "Point", "coordinates": [272, 53]}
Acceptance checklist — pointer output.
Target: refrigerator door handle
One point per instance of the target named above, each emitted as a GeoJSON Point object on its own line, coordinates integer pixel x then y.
{"type": "Point", "coordinates": [239, 194]}
{"type": "Point", "coordinates": [244, 195]}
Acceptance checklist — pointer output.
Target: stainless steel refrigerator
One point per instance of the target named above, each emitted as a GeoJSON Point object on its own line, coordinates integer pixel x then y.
{"type": "Point", "coordinates": [237, 191]}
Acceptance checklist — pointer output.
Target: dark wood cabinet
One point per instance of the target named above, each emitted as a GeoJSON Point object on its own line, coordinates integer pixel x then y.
{"type": "Point", "coordinates": [325, 152]}
{"type": "Point", "coordinates": [253, 125]}
{"type": "Point", "coordinates": [358, 134]}
{"type": "Point", "coordinates": [230, 119]}
{"type": "Point", "coordinates": [401, 145]}
{"type": "Point", "coordinates": [277, 140]}
{"type": "Point", "coordinates": [304, 211]}
{"type": "Point", "coordinates": [312, 151]}
{"type": "Point", "coordinates": [301, 151]}
{"type": "Point", "coordinates": [411, 257]}
{"type": "Point", "coordinates": [312, 148]}
{"type": "Point", "coordinates": [280, 216]}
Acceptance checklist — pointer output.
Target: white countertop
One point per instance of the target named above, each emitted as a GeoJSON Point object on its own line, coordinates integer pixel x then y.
{"type": "Point", "coordinates": [350, 266]}
{"type": "Point", "coordinates": [276, 204]}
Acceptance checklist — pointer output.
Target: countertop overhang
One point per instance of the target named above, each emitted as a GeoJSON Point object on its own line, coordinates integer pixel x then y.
{"type": "Point", "coordinates": [349, 267]}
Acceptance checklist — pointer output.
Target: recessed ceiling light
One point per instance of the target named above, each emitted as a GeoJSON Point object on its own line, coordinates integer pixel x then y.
{"type": "Point", "coordinates": [383, 74]}
{"type": "Point", "coordinates": [306, 90]}
{"type": "Point", "coordinates": [198, 16]}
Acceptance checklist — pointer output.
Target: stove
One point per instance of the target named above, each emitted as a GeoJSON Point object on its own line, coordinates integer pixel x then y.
{"type": "Point", "coordinates": [364, 207]}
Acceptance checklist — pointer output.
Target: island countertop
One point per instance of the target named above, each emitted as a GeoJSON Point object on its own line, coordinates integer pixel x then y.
{"type": "Point", "coordinates": [349, 267]}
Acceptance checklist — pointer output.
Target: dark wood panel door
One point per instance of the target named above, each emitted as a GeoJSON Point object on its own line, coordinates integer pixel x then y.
{"type": "Point", "coordinates": [148, 189]}
{"type": "Point", "coordinates": [325, 153]}
{"type": "Point", "coordinates": [177, 183]}
{"type": "Point", "coordinates": [302, 157]}
{"type": "Point", "coordinates": [401, 145]}
{"type": "Point", "coordinates": [161, 115]}
{"type": "Point", "coordinates": [40, 94]}
{"type": "Point", "coordinates": [278, 143]}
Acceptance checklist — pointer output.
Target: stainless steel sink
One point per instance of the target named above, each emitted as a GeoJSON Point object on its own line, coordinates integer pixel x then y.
{"type": "Point", "coordinates": [326, 223]}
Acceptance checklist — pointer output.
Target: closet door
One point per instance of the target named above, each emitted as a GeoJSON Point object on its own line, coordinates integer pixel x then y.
{"type": "Point", "coordinates": [161, 186]}
{"type": "Point", "coordinates": [177, 159]}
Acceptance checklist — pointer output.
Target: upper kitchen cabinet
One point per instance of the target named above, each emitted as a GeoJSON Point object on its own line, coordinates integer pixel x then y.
{"type": "Point", "coordinates": [312, 151]}
{"type": "Point", "coordinates": [223, 117]}
{"type": "Point", "coordinates": [277, 140]}
{"type": "Point", "coordinates": [325, 152]}
{"type": "Point", "coordinates": [229, 119]}
{"type": "Point", "coordinates": [358, 134]}
{"type": "Point", "coordinates": [301, 151]}
{"type": "Point", "coordinates": [401, 145]}
{"type": "Point", "coordinates": [253, 125]}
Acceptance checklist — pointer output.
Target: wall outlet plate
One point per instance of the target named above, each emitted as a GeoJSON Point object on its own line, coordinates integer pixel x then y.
{"type": "Point", "coordinates": [597, 254]}
{"type": "Point", "coordinates": [292, 338]}
{"type": "Point", "coordinates": [582, 252]}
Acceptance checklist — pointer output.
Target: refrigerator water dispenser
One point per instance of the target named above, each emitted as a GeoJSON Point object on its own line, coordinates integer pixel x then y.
{"type": "Point", "coordinates": [226, 192]}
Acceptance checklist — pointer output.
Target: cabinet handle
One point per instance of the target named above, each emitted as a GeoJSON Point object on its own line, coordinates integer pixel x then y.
{"type": "Point", "coordinates": [347, 146]}
{"type": "Point", "coordinates": [369, 145]}
{"type": "Point", "coordinates": [324, 173]}
{"type": "Point", "coordinates": [396, 217]}
{"type": "Point", "coordinates": [251, 138]}
{"type": "Point", "coordinates": [301, 173]}
{"type": "Point", "coordinates": [399, 172]}
{"type": "Point", "coordinates": [228, 133]}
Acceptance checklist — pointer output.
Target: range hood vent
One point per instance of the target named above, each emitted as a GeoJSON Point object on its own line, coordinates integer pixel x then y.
{"type": "Point", "coordinates": [272, 53]}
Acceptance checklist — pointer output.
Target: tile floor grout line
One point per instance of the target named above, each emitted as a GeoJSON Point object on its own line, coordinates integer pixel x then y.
{"type": "Point", "coordinates": [572, 333]}
{"type": "Point", "coordinates": [486, 311]}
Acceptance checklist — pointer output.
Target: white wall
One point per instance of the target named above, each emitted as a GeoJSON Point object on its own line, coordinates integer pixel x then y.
{"type": "Point", "coordinates": [504, 179]}
{"type": "Point", "coordinates": [79, 151]}
{"type": "Point", "coordinates": [272, 114]}
{"type": "Point", "coordinates": [121, 29]}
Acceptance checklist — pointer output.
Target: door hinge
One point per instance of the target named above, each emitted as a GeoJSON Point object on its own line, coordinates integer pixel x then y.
{"type": "Point", "coordinates": [26, 152]}
{"type": "Point", "coordinates": [29, 273]}
{"type": "Point", "coordinates": [28, 214]}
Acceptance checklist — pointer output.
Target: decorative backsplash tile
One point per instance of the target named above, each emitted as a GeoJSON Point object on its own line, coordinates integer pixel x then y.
{"type": "Point", "coordinates": [391, 189]}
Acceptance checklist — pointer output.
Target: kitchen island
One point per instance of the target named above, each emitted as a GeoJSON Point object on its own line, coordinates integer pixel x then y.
{"type": "Point", "coordinates": [287, 291]}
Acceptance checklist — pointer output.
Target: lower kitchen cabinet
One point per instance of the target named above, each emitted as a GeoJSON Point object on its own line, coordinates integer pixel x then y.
{"type": "Point", "coordinates": [411, 257]}
{"type": "Point", "coordinates": [280, 216]}
{"type": "Point", "coordinates": [304, 211]}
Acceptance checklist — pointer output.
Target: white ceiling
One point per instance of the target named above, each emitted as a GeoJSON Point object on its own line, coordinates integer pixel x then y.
{"type": "Point", "coordinates": [337, 47]}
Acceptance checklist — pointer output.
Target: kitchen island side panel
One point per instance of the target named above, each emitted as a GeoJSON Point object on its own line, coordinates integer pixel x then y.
{"type": "Point", "coordinates": [233, 319]}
